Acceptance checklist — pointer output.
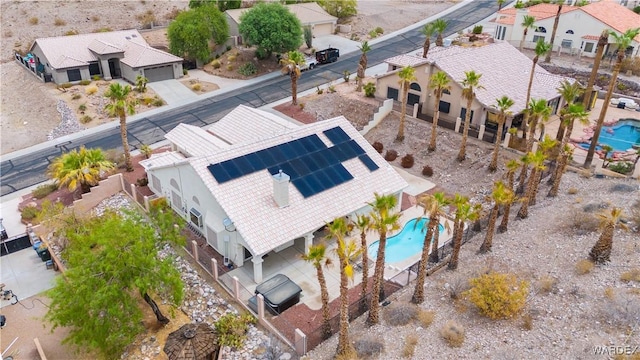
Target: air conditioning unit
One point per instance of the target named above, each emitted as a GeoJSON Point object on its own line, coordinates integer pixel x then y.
{"type": "Point", "coordinates": [195, 217]}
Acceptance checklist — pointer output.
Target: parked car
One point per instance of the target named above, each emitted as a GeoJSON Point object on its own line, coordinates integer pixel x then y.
{"type": "Point", "coordinates": [328, 55]}
{"type": "Point", "coordinates": [623, 103]}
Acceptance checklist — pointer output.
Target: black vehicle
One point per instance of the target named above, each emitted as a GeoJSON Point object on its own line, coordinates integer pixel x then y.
{"type": "Point", "coordinates": [327, 55]}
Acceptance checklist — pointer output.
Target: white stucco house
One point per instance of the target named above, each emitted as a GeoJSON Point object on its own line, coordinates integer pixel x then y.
{"type": "Point", "coordinates": [252, 183]}
{"type": "Point", "coordinates": [578, 29]}
{"type": "Point", "coordinates": [116, 54]}
{"type": "Point", "coordinates": [504, 69]}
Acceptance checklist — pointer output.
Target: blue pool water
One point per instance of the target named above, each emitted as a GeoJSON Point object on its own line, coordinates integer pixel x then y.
{"type": "Point", "coordinates": [406, 243]}
{"type": "Point", "coordinates": [621, 137]}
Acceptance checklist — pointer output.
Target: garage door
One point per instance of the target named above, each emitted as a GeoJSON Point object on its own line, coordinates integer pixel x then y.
{"type": "Point", "coordinates": [159, 73]}
{"type": "Point", "coordinates": [322, 29]}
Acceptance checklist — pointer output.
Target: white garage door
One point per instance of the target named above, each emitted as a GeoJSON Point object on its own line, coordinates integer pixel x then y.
{"type": "Point", "coordinates": [322, 29]}
{"type": "Point", "coordinates": [159, 73]}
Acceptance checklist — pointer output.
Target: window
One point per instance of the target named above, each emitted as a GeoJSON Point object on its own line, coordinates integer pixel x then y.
{"type": "Point", "coordinates": [537, 38]}
{"type": "Point", "coordinates": [392, 93]}
{"type": "Point", "coordinates": [504, 31]}
{"type": "Point", "coordinates": [415, 86]}
{"type": "Point", "coordinates": [588, 47]}
{"type": "Point", "coordinates": [176, 201]}
{"type": "Point", "coordinates": [74, 75]}
{"type": "Point", "coordinates": [174, 183]}
{"type": "Point", "coordinates": [155, 183]}
{"type": "Point", "coordinates": [463, 113]}
{"type": "Point", "coordinates": [541, 29]}
{"type": "Point", "coordinates": [566, 44]}
{"type": "Point", "coordinates": [94, 68]}
{"type": "Point", "coordinates": [444, 107]}
{"type": "Point", "coordinates": [569, 32]}
{"type": "Point", "coordinates": [195, 200]}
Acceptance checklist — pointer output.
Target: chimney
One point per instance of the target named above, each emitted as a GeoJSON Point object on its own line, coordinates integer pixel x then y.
{"type": "Point", "coordinates": [281, 189]}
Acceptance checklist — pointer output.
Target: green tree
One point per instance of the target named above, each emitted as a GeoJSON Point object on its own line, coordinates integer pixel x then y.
{"type": "Point", "coordinates": [121, 103]}
{"type": "Point", "coordinates": [539, 113]}
{"type": "Point", "coordinates": [440, 25]}
{"type": "Point", "coordinates": [527, 23]}
{"type": "Point", "coordinates": [569, 93]}
{"type": "Point", "coordinates": [427, 31]}
{"type": "Point", "coordinates": [222, 5]}
{"type": "Point", "coordinates": [623, 41]}
{"type": "Point", "coordinates": [291, 65]}
{"type": "Point", "coordinates": [407, 75]}
{"type": "Point", "coordinates": [308, 36]}
{"type": "Point", "coordinates": [384, 218]}
{"type": "Point", "coordinates": [541, 49]}
{"type": "Point", "coordinates": [565, 155]}
{"type": "Point", "coordinates": [316, 256]}
{"type": "Point", "coordinates": [470, 83]}
{"type": "Point", "coordinates": [439, 82]}
{"type": "Point", "coordinates": [537, 161]}
{"type": "Point", "coordinates": [500, 196]}
{"type": "Point", "coordinates": [347, 251]}
{"type": "Point", "coordinates": [189, 34]}
{"type": "Point", "coordinates": [84, 168]}
{"type": "Point", "coordinates": [285, 30]}
{"type": "Point", "coordinates": [547, 58]}
{"type": "Point", "coordinates": [362, 64]}
{"type": "Point", "coordinates": [503, 104]}
{"type": "Point", "coordinates": [500, 4]}
{"type": "Point", "coordinates": [434, 206]}
{"type": "Point", "coordinates": [601, 251]}
{"type": "Point", "coordinates": [340, 8]}
{"type": "Point", "coordinates": [363, 223]}
{"type": "Point", "coordinates": [512, 167]}
{"type": "Point", "coordinates": [141, 83]}
{"type": "Point", "coordinates": [603, 41]}
{"type": "Point", "coordinates": [464, 212]}
{"type": "Point", "coordinates": [112, 262]}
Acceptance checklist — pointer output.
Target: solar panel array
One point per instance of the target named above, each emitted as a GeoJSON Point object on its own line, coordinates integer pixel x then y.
{"type": "Point", "coordinates": [311, 165]}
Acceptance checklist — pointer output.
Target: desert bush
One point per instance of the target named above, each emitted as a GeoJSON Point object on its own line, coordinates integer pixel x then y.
{"type": "Point", "coordinates": [59, 22]}
{"type": "Point", "coordinates": [231, 58]}
{"type": "Point", "coordinates": [369, 89]}
{"type": "Point", "coordinates": [95, 18]}
{"type": "Point", "coordinates": [391, 155]}
{"type": "Point", "coordinates": [572, 191]}
{"type": "Point", "coordinates": [196, 87]}
{"type": "Point", "coordinates": [425, 317]}
{"type": "Point", "coordinates": [584, 266]}
{"type": "Point", "coordinates": [248, 69]}
{"type": "Point", "coordinates": [373, 34]}
{"type": "Point", "coordinates": [274, 348]}
{"type": "Point", "coordinates": [634, 215]}
{"type": "Point", "coordinates": [547, 284]}
{"type": "Point", "coordinates": [301, 105]}
{"type": "Point", "coordinates": [457, 287]}
{"type": "Point", "coordinates": [85, 119]}
{"type": "Point", "coordinates": [102, 30]}
{"type": "Point", "coordinates": [34, 21]}
{"type": "Point", "coordinates": [216, 64]}
{"type": "Point", "coordinates": [231, 329]}
{"type": "Point", "coordinates": [143, 181]}
{"type": "Point", "coordinates": [146, 150]}
{"type": "Point", "coordinates": [66, 85]}
{"type": "Point", "coordinates": [116, 157]}
{"type": "Point", "coordinates": [367, 346]}
{"type": "Point", "coordinates": [621, 167]}
{"type": "Point", "coordinates": [146, 19]}
{"type": "Point", "coordinates": [44, 190]}
{"type": "Point", "coordinates": [609, 293]}
{"type": "Point", "coordinates": [331, 88]}
{"type": "Point", "coordinates": [401, 313]}
{"type": "Point", "coordinates": [594, 207]}
{"type": "Point", "coordinates": [229, 67]}
{"type": "Point", "coordinates": [581, 221]}
{"type": "Point", "coordinates": [452, 333]}
{"type": "Point", "coordinates": [624, 188]}
{"type": "Point", "coordinates": [147, 100]}
{"type": "Point", "coordinates": [631, 275]}
{"type": "Point", "coordinates": [157, 101]}
{"type": "Point", "coordinates": [82, 107]}
{"type": "Point", "coordinates": [85, 82]}
{"type": "Point", "coordinates": [95, 77]}
{"type": "Point", "coordinates": [379, 30]}
{"type": "Point", "coordinates": [71, 32]}
{"type": "Point", "coordinates": [498, 295]}
{"type": "Point", "coordinates": [407, 161]}
{"type": "Point", "coordinates": [427, 171]}
{"type": "Point", "coordinates": [410, 343]}
{"type": "Point", "coordinates": [172, 14]}
{"type": "Point", "coordinates": [477, 29]}
{"type": "Point", "coordinates": [345, 75]}
{"type": "Point", "coordinates": [631, 63]}
{"type": "Point", "coordinates": [185, 72]}
{"type": "Point", "coordinates": [29, 213]}
{"type": "Point", "coordinates": [378, 146]}
{"type": "Point", "coordinates": [76, 96]}
{"type": "Point", "coordinates": [527, 321]}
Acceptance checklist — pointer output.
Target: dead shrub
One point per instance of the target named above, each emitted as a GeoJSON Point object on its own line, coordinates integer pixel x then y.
{"type": "Point", "coordinates": [85, 119]}
{"type": "Point", "coordinates": [172, 14]}
{"type": "Point", "coordinates": [427, 171]}
{"type": "Point", "coordinates": [367, 346]}
{"type": "Point", "coordinates": [498, 295]}
{"type": "Point", "coordinates": [634, 216]}
{"type": "Point", "coordinates": [147, 19]}
{"type": "Point", "coordinates": [457, 286]}
{"type": "Point", "coordinates": [409, 348]}
{"type": "Point", "coordinates": [391, 155]}
{"type": "Point", "coordinates": [572, 191]}
{"type": "Point", "coordinates": [547, 284]}
{"type": "Point", "coordinates": [378, 146]}
{"type": "Point", "coordinates": [407, 161]}
{"type": "Point", "coordinates": [91, 89]}
{"type": "Point", "coordinates": [59, 22]}
{"type": "Point", "coordinates": [95, 18]}
{"type": "Point", "coordinates": [196, 87]}
{"type": "Point", "coordinates": [425, 317]}
{"type": "Point", "coordinates": [452, 333]}
{"type": "Point", "coordinates": [34, 21]}
{"type": "Point", "coordinates": [631, 275]}
{"type": "Point", "coordinates": [582, 222]}
{"type": "Point", "coordinates": [584, 266]}
{"type": "Point", "coordinates": [609, 293]}
{"type": "Point", "coordinates": [400, 314]}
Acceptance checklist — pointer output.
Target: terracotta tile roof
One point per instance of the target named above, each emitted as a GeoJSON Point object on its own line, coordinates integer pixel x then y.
{"type": "Point", "coordinates": [591, 37]}
{"type": "Point", "coordinates": [249, 202]}
{"type": "Point", "coordinates": [540, 12]}
{"type": "Point", "coordinates": [245, 124]}
{"type": "Point", "coordinates": [614, 15]}
{"type": "Point", "coordinates": [194, 140]}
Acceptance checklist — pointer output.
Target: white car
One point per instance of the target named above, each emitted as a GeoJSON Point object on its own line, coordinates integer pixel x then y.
{"type": "Point", "coordinates": [628, 103]}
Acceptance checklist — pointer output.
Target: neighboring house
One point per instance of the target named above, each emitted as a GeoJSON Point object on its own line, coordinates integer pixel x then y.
{"type": "Point", "coordinates": [109, 55]}
{"type": "Point", "coordinates": [578, 29]}
{"type": "Point", "coordinates": [253, 183]}
{"type": "Point", "coordinates": [309, 14]}
{"type": "Point", "coordinates": [505, 71]}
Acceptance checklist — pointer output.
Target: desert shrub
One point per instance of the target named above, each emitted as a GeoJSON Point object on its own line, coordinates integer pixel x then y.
{"type": "Point", "coordinates": [146, 19]}
{"type": "Point", "coordinates": [91, 89]}
{"type": "Point", "coordinates": [76, 96]}
{"type": "Point", "coordinates": [400, 314]}
{"type": "Point", "coordinates": [147, 100]}
{"type": "Point", "coordinates": [157, 101]}
{"type": "Point", "coordinates": [425, 317]}
{"type": "Point", "coordinates": [609, 293]}
{"type": "Point", "coordinates": [143, 181]}
{"type": "Point", "coordinates": [452, 333]}
{"type": "Point", "coordinates": [71, 32]}
{"type": "Point", "coordinates": [301, 105]}
{"type": "Point", "coordinates": [457, 287]}
{"type": "Point", "coordinates": [621, 167]}
{"type": "Point", "coordinates": [34, 21]}
{"type": "Point", "coordinates": [85, 82]}
{"type": "Point", "coordinates": [82, 107]}
{"type": "Point", "coordinates": [44, 190]}
{"type": "Point", "coordinates": [572, 191]}
{"type": "Point", "coordinates": [407, 161]}
{"type": "Point", "coordinates": [391, 155]}
{"type": "Point", "coordinates": [624, 188]}
{"type": "Point", "coordinates": [379, 30]}
{"type": "Point", "coordinates": [59, 22]}
{"type": "Point", "coordinates": [631, 275]}
{"type": "Point", "coordinates": [196, 87]}
{"type": "Point", "coordinates": [228, 48]}
{"type": "Point", "coordinates": [547, 284]}
{"type": "Point", "coordinates": [634, 215]}
{"type": "Point", "coordinates": [85, 119]}
{"type": "Point", "coordinates": [146, 150]}
{"type": "Point", "coordinates": [261, 54]}
{"type": "Point", "coordinates": [66, 85]}
{"type": "Point", "coordinates": [367, 346]}
{"type": "Point", "coordinates": [527, 322]}
{"type": "Point", "coordinates": [95, 77]}
{"type": "Point", "coordinates": [231, 58]}
{"type": "Point", "coordinates": [185, 72]}
{"type": "Point", "coordinates": [116, 157]}
{"type": "Point", "coordinates": [331, 89]}
{"type": "Point", "coordinates": [594, 207]}
{"type": "Point", "coordinates": [498, 295]}
{"type": "Point", "coordinates": [103, 29]}
{"type": "Point", "coordinates": [409, 348]}
{"type": "Point", "coordinates": [373, 34]}
{"type": "Point", "coordinates": [29, 213]}
{"type": "Point", "coordinates": [95, 18]}
{"type": "Point", "coordinates": [274, 348]}
{"type": "Point", "coordinates": [581, 221]}
{"type": "Point", "coordinates": [427, 171]}
{"type": "Point", "coordinates": [378, 146]}
{"type": "Point", "coordinates": [369, 89]}
{"type": "Point", "coordinates": [477, 29]}
{"type": "Point", "coordinates": [232, 329]}
{"type": "Point", "coordinates": [584, 266]}
{"type": "Point", "coordinates": [345, 75]}
{"type": "Point", "coordinates": [248, 69]}
{"type": "Point", "coordinates": [319, 91]}
{"type": "Point", "coordinates": [216, 64]}
{"type": "Point", "coordinates": [229, 67]}
{"type": "Point", "coordinates": [632, 63]}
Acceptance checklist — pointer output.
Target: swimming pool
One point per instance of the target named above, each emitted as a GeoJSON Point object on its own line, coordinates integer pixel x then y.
{"type": "Point", "coordinates": [624, 135]}
{"type": "Point", "coordinates": [406, 243]}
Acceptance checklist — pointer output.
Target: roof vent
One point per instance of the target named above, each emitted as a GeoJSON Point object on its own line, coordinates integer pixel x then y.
{"type": "Point", "coordinates": [134, 35]}
{"type": "Point", "coordinates": [281, 189]}
{"type": "Point", "coordinates": [128, 38]}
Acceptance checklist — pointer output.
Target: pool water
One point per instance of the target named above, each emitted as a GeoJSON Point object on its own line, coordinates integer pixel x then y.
{"type": "Point", "coordinates": [406, 243]}
{"type": "Point", "coordinates": [621, 137]}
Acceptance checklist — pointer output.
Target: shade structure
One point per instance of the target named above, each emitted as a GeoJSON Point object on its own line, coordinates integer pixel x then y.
{"type": "Point", "coordinates": [192, 342]}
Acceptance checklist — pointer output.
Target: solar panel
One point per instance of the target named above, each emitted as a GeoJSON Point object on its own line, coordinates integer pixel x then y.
{"type": "Point", "coordinates": [311, 161]}
{"type": "Point", "coordinates": [244, 165]}
{"type": "Point", "coordinates": [315, 185]}
{"type": "Point", "coordinates": [231, 169]}
{"type": "Point", "coordinates": [343, 173]}
{"type": "Point", "coordinates": [298, 148]}
{"type": "Point", "coordinates": [324, 178]}
{"type": "Point", "coordinates": [342, 152]}
{"type": "Point", "coordinates": [330, 155]}
{"type": "Point", "coordinates": [312, 143]}
{"type": "Point", "coordinates": [256, 161]}
{"type": "Point", "coordinates": [337, 135]}
{"type": "Point", "coordinates": [301, 166]}
{"type": "Point", "coordinates": [277, 153]}
{"type": "Point", "coordinates": [303, 187]}
{"type": "Point", "coordinates": [218, 173]}
{"type": "Point", "coordinates": [368, 162]}
{"type": "Point", "coordinates": [266, 158]}
{"type": "Point", "coordinates": [357, 149]}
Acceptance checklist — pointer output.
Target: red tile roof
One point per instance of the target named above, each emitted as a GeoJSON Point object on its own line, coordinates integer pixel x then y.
{"type": "Point", "coordinates": [614, 15]}
{"type": "Point", "coordinates": [591, 37]}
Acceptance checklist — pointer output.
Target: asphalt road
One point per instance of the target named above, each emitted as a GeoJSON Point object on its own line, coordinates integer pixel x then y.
{"type": "Point", "coordinates": [27, 170]}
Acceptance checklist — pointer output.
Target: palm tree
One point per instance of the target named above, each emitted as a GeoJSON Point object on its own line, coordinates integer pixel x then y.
{"type": "Point", "coordinates": [362, 64]}
{"type": "Point", "coordinates": [291, 65]}
{"type": "Point", "coordinates": [316, 256]}
{"type": "Point", "coordinates": [363, 223]}
{"type": "Point", "coordinates": [622, 42]}
{"type": "Point", "coordinates": [470, 83]}
{"type": "Point", "coordinates": [439, 82]}
{"type": "Point", "coordinates": [527, 23]}
{"type": "Point", "coordinates": [603, 40]}
{"type": "Point", "coordinates": [84, 168]}
{"type": "Point", "coordinates": [427, 31]}
{"type": "Point", "coordinates": [565, 155]}
{"type": "Point", "coordinates": [464, 211]}
{"type": "Point", "coordinates": [407, 75]}
{"type": "Point", "coordinates": [569, 93]}
{"type": "Point", "coordinates": [501, 195]}
{"type": "Point", "coordinates": [568, 116]}
{"type": "Point", "coordinates": [601, 251]}
{"type": "Point", "coordinates": [434, 206]}
{"type": "Point", "coordinates": [539, 112]}
{"type": "Point", "coordinates": [512, 167]}
{"type": "Point", "coordinates": [547, 145]}
{"type": "Point", "coordinates": [504, 103]}
{"type": "Point", "coordinates": [440, 26]}
{"type": "Point", "coordinates": [347, 251]}
{"type": "Point", "coordinates": [121, 103]}
{"type": "Point", "coordinates": [500, 3]}
{"type": "Point", "coordinates": [537, 160]}
{"type": "Point", "coordinates": [547, 58]}
{"type": "Point", "coordinates": [541, 49]}
{"type": "Point", "coordinates": [384, 218]}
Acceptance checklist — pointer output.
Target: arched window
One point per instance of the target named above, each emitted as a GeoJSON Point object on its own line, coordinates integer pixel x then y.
{"type": "Point", "coordinates": [569, 32]}
{"type": "Point", "coordinates": [174, 183]}
{"type": "Point", "coordinates": [541, 29]}
{"type": "Point", "coordinates": [195, 200]}
{"type": "Point", "coordinates": [415, 86]}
